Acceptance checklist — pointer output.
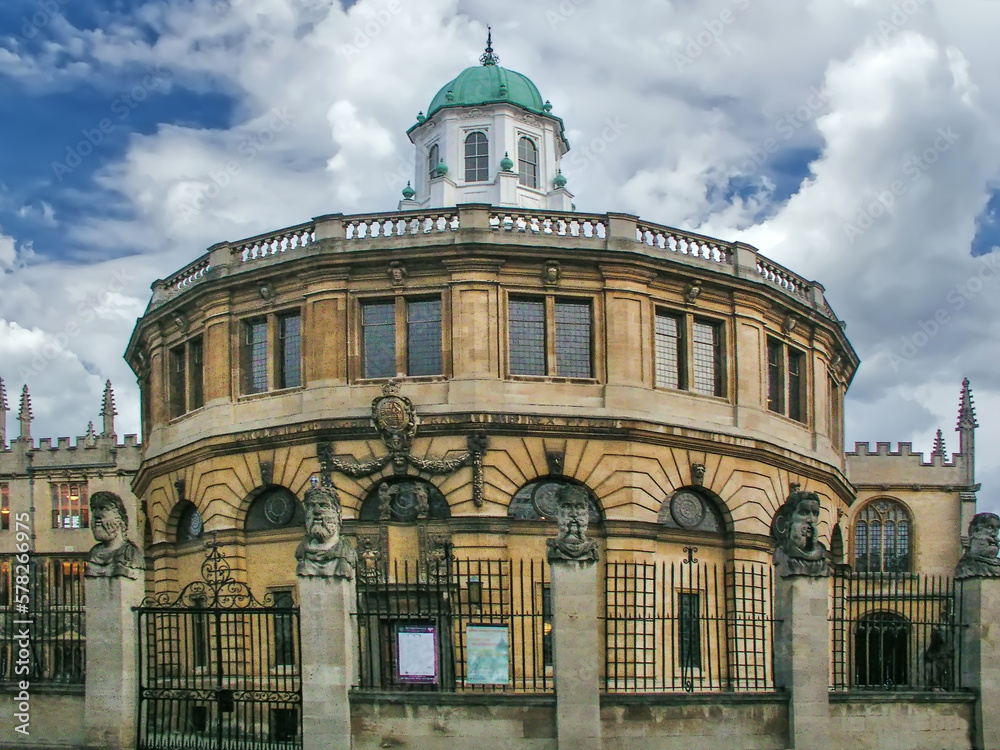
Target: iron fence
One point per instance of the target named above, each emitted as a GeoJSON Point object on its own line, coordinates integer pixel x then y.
{"type": "Point", "coordinates": [456, 626]}
{"type": "Point", "coordinates": [688, 627]}
{"type": "Point", "coordinates": [895, 631]}
{"type": "Point", "coordinates": [47, 593]}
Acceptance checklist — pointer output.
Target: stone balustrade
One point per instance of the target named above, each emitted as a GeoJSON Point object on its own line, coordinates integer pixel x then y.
{"type": "Point", "coordinates": [617, 232]}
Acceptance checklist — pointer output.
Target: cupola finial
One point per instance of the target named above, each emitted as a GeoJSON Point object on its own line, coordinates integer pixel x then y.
{"type": "Point", "coordinates": [488, 57]}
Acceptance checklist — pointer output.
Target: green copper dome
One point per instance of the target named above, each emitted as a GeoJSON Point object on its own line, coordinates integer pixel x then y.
{"type": "Point", "coordinates": [488, 84]}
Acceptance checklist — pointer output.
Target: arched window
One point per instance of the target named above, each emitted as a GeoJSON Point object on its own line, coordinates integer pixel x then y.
{"type": "Point", "coordinates": [691, 508]}
{"type": "Point", "coordinates": [882, 538]}
{"type": "Point", "coordinates": [477, 157]}
{"type": "Point", "coordinates": [274, 508]}
{"type": "Point", "coordinates": [404, 498]}
{"type": "Point", "coordinates": [433, 157]}
{"type": "Point", "coordinates": [527, 163]}
{"type": "Point", "coordinates": [537, 500]}
{"type": "Point", "coordinates": [882, 650]}
{"type": "Point", "coordinates": [189, 523]}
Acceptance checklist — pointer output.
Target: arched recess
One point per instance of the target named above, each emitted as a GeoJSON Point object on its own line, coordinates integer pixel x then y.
{"type": "Point", "coordinates": [403, 498]}
{"type": "Point", "coordinates": [189, 524]}
{"type": "Point", "coordinates": [695, 508]}
{"type": "Point", "coordinates": [273, 507]}
{"type": "Point", "coordinates": [837, 546]}
{"type": "Point", "coordinates": [882, 537]}
{"type": "Point", "coordinates": [882, 650]}
{"type": "Point", "coordinates": [536, 500]}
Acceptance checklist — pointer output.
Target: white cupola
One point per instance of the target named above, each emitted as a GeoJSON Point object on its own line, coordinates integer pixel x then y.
{"type": "Point", "coordinates": [488, 137]}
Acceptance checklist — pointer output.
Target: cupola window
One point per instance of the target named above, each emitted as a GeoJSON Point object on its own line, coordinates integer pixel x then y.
{"type": "Point", "coordinates": [527, 163]}
{"type": "Point", "coordinates": [477, 157]}
{"type": "Point", "coordinates": [433, 157]}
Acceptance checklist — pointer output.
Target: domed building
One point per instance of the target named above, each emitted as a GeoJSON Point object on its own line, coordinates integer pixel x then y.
{"type": "Point", "coordinates": [450, 368]}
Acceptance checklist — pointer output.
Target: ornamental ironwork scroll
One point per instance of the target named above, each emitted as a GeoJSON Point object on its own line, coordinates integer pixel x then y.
{"type": "Point", "coordinates": [396, 422]}
{"type": "Point", "coordinates": [217, 588]}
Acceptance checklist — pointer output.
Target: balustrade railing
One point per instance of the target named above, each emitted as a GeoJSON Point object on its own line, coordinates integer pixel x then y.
{"type": "Point", "coordinates": [400, 225]}
{"type": "Point", "coordinates": [683, 243]}
{"type": "Point", "coordinates": [274, 243]}
{"type": "Point", "coordinates": [550, 224]}
{"type": "Point", "coordinates": [188, 276]}
{"type": "Point", "coordinates": [782, 277]}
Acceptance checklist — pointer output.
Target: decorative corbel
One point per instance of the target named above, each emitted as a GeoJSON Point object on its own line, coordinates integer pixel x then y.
{"type": "Point", "coordinates": [179, 486]}
{"type": "Point", "coordinates": [181, 321]}
{"type": "Point", "coordinates": [789, 322]}
{"type": "Point", "coordinates": [397, 273]}
{"type": "Point", "coordinates": [691, 291]}
{"type": "Point", "coordinates": [266, 291]}
{"type": "Point", "coordinates": [266, 473]}
{"type": "Point", "coordinates": [697, 474]}
{"type": "Point", "coordinates": [556, 461]}
{"type": "Point", "coordinates": [550, 273]}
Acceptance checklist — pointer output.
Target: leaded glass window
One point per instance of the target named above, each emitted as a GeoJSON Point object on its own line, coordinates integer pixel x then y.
{"type": "Point", "coordinates": [423, 337]}
{"type": "Point", "coordinates": [573, 359]}
{"type": "Point", "coordinates": [433, 158]}
{"type": "Point", "coordinates": [706, 355]}
{"type": "Point", "coordinates": [882, 538]}
{"type": "Point", "coordinates": [669, 351]}
{"type": "Point", "coordinates": [290, 355]}
{"type": "Point", "coordinates": [255, 355]}
{"type": "Point", "coordinates": [527, 336]}
{"type": "Point", "coordinates": [378, 336]}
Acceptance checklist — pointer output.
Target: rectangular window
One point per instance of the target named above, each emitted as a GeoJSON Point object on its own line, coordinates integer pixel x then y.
{"type": "Point", "coordinates": [527, 337]}
{"type": "Point", "coordinates": [4, 506]}
{"type": "Point", "coordinates": [290, 351]}
{"type": "Point", "coordinates": [775, 376]}
{"type": "Point", "coordinates": [284, 630]}
{"type": "Point", "coordinates": [255, 356]}
{"type": "Point", "coordinates": [669, 351]}
{"type": "Point", "coordinates": [423, 337]}
{"type": "Point", "coordinates": [196, 367]}
{"type": "Point", "coordinates": [69, 505]}
{"type": "Point", "coordinates": [706, 355]}
{"type": "Point", "coordinates": [378, 339]}
{"type": "Point", "coordinates": [796, 372]}
{"type": "Point", "coordinates": [177, 382]}
{"type": "Point", "coordinates": [689, 630]}
{"type": "Point", "coordinates": [573, 359]}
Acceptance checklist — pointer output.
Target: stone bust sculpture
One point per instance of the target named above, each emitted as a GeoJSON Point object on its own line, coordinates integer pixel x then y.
{"type": "Point", "coordinates": [114, 556]}
{"type": "Point", "coordinates": [980, 560]}
{"type": "Point", "coordinates": [798, 551]}
{"type": "Point", "coordinates": [324, 553]}
{"type": "Point", "coordinates": [573, 516]}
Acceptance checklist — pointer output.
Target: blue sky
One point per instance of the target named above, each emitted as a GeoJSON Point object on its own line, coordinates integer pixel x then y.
{"type": "Point", "coordinates": [782, 127]}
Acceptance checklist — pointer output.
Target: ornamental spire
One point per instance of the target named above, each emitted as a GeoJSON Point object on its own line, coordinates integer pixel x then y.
{"type": "Point", "coordinates": [488, 57]}
{"type": "Point", "coordinates": [108, 411]}
{"type": "Point", "coordinates": [24, 415]}
{"type": "Point", "coordinates": [939, 446]}
{"type": "Point", "coordinates": [966, 409]}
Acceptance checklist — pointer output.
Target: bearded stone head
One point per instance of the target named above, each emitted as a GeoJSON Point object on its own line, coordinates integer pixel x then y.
{"type": "Point", "coordinates": [572, 514]}
{"type": "Point", "coordinates": [108, 518]}
{"type": "Point", "coordinates": [322, 509]}
{"type": "Point", "coordinates": [795, 530]}
{"type": "Point", "coordinates": [984, 536]}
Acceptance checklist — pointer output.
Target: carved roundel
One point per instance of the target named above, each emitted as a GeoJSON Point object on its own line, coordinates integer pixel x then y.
{"type": "Point", "coordinates": [687, 509]}
{"type": "Point", "coordinates": [391, 414]}
{"type": "Point", "coordinates": [279, 508]}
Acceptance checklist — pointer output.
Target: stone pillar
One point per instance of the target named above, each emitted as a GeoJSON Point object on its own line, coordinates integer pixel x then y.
{"type": "Point", "coordinates": [328, 655]}
{"type": "Point", "coordinates": [576, 653]}
{"type": "Point", "coordinates": [802, 658]}
{"type": "Point", "coordinates": [112, 646]}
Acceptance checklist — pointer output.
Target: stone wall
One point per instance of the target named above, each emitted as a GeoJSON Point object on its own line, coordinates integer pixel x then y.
{"type": "Point", "coordinates": [897, 721]}
{"type": "Point", "coordinates": [56, 720]}
{"type": "Point", "coordinates": [453, 722]}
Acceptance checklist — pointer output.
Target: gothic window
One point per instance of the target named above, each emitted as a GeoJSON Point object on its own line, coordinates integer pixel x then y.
{"type": "Point", "coordinates": [527, 163]}
{"type": "Point", "coordinates": [536, 501]}
{"type": "Point", "coordinates": [274, 508]}
{"type": "Point", "coordinates": [882, 538]}
{"type": "Point", "coordinates": [189, 523]}
{"type": "Point", "coordinates": [477, 157]}
{"type": "Point", "coordinates": [433, 158]}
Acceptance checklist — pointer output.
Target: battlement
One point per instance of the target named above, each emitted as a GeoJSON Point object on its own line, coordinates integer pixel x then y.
{"type": "Point", "coordinates": [87, 451]}
{"type": "Point", "coordinates": [887, 467]}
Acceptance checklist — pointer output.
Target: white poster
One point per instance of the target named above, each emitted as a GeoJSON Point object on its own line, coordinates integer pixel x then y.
{"type": "Point", "coordinates": [416, 647]}
{"type": "Point", "coordinates": [487, 648]}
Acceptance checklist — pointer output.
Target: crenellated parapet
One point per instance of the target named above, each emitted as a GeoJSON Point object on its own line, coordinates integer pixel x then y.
{"type": "Point", "coordinates": [889, 467]}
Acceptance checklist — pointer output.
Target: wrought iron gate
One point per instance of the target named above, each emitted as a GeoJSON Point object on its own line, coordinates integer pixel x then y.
{"type": "Point", "coordinates": [219, 669]}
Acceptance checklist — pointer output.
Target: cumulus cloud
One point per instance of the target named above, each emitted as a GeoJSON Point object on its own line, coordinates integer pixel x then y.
{"type": "Point", "coordinates": [851, 142]}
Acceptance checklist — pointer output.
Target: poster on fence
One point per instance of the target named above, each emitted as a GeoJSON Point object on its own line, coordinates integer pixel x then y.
{"type": "Point", "coordinates": [487, 649]}
{"type": "Point", "coordinates": [417, 653]}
